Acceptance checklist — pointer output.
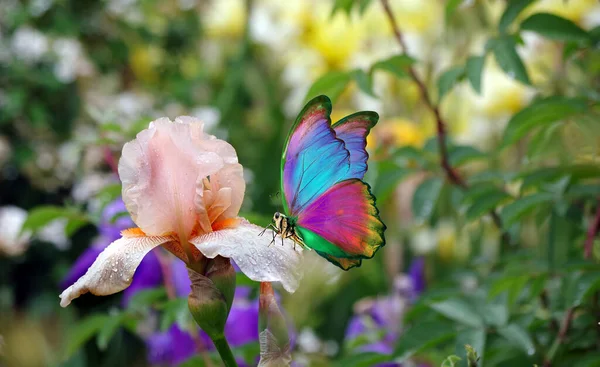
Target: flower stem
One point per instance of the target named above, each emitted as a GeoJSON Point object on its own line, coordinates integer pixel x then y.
{"type": "Point", "coordinates": [225, 352]}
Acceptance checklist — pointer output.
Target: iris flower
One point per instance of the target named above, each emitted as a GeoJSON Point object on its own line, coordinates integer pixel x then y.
{"type": "Point", "coordinates": [183, 189]}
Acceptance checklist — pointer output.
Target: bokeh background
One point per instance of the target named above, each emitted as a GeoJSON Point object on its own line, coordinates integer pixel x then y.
{"type": "Point", "coordinates": [79, 78]}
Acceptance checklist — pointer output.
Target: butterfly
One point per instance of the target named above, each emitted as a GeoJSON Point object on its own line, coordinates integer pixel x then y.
{"type": "Point", "coordinates": [327, 206]}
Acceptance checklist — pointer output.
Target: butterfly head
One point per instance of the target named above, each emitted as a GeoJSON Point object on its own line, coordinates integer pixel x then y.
{"type": "Point", "coordinates": [278, 218]}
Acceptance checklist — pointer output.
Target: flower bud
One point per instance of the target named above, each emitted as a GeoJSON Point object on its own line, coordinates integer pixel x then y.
{"type": "Point", "coordinates": [273, 337]}
{"type": "Point", "coordinates": [207, 305]}
{"type": "Point", "coordinates": [222, 274]}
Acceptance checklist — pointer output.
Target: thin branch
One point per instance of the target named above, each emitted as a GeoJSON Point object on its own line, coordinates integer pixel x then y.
{"type": "Point", "coordinates": [452, 175]}
{"type": "Point", "coordinates": [592, 231]}
{"type": "Point", "coordinates": [560, 338]}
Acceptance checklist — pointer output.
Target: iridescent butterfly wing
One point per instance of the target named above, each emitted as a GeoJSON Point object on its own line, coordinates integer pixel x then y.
{"type": "Point", "coordinates": [331, 208]}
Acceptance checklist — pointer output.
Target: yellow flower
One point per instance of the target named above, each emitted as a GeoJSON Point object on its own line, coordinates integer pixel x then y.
{"type": "Point", "coordinates": [501, 95]}
{"type": "Point", "coordinates": [224, 18]}
{"type": "Point", "coordinates": [145, 60]}
{"type": "Point", "coordinates": [447, 239]}
{"type": "Point", "coordinates": [336, 39]}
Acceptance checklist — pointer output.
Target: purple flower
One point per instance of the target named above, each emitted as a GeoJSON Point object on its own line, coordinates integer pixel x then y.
{"type": "Point", "coordinates": [115, 219]}
{"type": "Point", "coordinates": [378, 321]}
{"type": "Point", "coordinates": [416, 272]}
{"type": "Point", "coordinates": [170, 347]}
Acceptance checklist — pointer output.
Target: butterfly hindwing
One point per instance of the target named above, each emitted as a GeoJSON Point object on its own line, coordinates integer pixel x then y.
{"type": "Point", "coordinates": [314, 159]}
{"type": "Point", "coordinates": [346, 217]}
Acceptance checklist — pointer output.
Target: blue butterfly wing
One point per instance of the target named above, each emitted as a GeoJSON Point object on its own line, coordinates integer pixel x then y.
{"type": "Point", "coordinates": [314, 159]}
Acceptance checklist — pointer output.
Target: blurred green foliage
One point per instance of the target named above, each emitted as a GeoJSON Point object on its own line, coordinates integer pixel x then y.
{"type": "Point", "coordinates": [511, 256]}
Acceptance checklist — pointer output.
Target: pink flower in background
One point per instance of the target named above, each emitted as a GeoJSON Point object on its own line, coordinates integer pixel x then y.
{"type": "Point", "coordinates": [183, 189]}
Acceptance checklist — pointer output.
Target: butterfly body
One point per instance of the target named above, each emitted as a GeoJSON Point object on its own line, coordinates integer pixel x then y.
{"type": "Point", "coordinates": [327, 206]}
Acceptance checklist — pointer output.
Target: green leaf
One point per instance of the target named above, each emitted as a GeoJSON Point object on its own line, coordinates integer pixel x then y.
{"type": "Point", "coordinates": [342, 5]}
{"type": "Point", "coordinates": [520, 207]}
{"type": "Point", "coordinates": [73, 225]}
{"type": "Point", "coordinates": [146, 298]}
{"type": "Point", "coordinates": [474, 69]}
{"type": "Point", "coordinates": [508, 59]}
{"type": "Point", "coordinates": [422, 336]}
{"type": "Point", "coordinates": [363, 360]}
{"type": "Point", "coordinates": [554, 27]}
{"type": "Point", "coordinates": [493, 314]}
{"type": "Point", "coordinates": [43, 215]}
{"type": "Point", "coordinates": [518, 336]}
{"type": "Point", "coordinates": [513, 9]}
{"type": "Point", "coordinates": [397, 65]}
{"type": "Point", "coordinates": [449, 79]}
{"type": "Point", "coordinates": [540, 177]}
{"type": "Point", "coordinates": [84, 330]}
{"type": "Point", "coordinates": [451, 7]}
{"type": "Point", "coordinates": [541, 113]}
{"type": "Point", "coordinates": [486, 203]}
{"type": "Point", "coordinates": [389, 175]}
{"type": "Point", "coordinates": [364, 82]}
{"type": "Point", "coordinates": [331, 84]}
{"type": "Point", "coordinates": [582, 287]}
{"type": "Point", "coordinates": [109, 329]}
{"type": "Point", "coordinates": [175, 311]}
{"type": "Point", "coordinates": [425, 198]}
{"type": "Point", "coordinates": [459, 311]}
{"type": "Point", "coordinates": [459, 155]}
{"type": "Point", "coordinates": [451, 361]}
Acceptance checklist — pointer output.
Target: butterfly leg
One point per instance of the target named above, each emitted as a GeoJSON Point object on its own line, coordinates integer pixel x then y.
{"type": "Point", "coordinates": [267, 227]}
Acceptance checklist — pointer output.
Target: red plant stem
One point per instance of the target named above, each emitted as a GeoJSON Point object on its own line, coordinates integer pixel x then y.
{"type": "Point", "coordinates": [592, 231]}
{"type": "Point", "coordinates": [451, 173]}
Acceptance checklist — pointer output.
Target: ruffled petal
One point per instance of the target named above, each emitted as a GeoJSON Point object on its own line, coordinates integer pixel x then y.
{"type": "Point", "coordinates": [255, 256]}
{"type": "Point", "coordinates": [162, 170]}
{"type": "Point", "coordinates": [114, 268]}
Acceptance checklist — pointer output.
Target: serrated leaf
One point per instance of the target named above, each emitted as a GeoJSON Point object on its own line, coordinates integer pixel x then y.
{"type": "Point", "coordinates": [554, 27]}
{"type": "Point", "coordinates": [425, 198]}
{"type": "Point", "coordinates": [459, 311]}
{"type": "Point", "coordinates": [518, 337]}
{"type": "Point", "coordinates": [523, 206]}
{"type": "Point", "coordinates": [451, 361]}
{"type": "Point", "coordinates": [397, 65]}
{"type": "Point", "coordinates": [364, 82]}
{"type": "Point", "coordinates": [474, 69]}
{"type": "Point", "coordinates": [331, 84]}
{"type": "Point", "coordinates": [449, 79]}
{"type": "Point", "coordinates": [508, 59]}
{"type": "Point", "coordinates": [82, 331]}
{"type": "Point", "coordinates": [512, 11]}
{"type": "Point", "coordinates": [422, 336]}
